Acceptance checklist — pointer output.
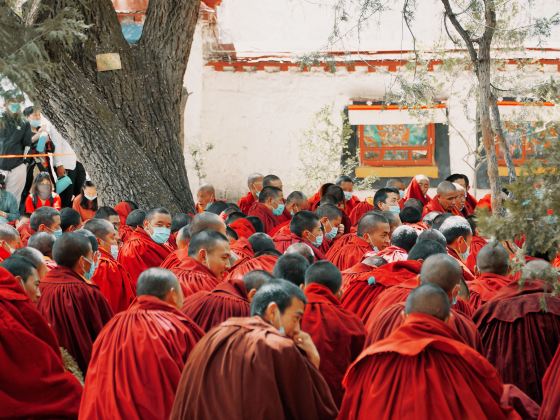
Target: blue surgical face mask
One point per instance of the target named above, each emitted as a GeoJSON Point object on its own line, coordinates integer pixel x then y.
{"type": "Point", "coordinates": [318, 241]}
{"type": "Point", "coordinates": [331, 234]}
{"type": "Point", "coordinates": [347, 195]}
{"type": "Point", "coordinates": [465, 255]}
{"type": "Point", "coordinates": [35, 123]}
{"type": "Point", "coordinates": [454, 301]}
{"type": "Point", "coordinates": [278, 210]}
{"type": "Point", "coordinates": [257, 193]}
{"type": "Point", "coordinates": [282, 331]}
{"type": "Point", "coordinates": [115, 251]}
{"type": "Point", "coordinates": [401, 193]}
{"type": "Point", "coordinates": [57, 233]}
{"type": "Point", "coordinates": [160, 235]}
{"type": "Point", "coordinates": [41, 142]}
{"type": "Point", "coordinates": [89, 274]}
{"type": "Point", "coordinates": [14, 108]}
{"type": "Point", "coordinates": [395, 209]}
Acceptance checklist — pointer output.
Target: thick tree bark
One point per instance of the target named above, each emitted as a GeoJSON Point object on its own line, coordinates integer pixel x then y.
{"type": "Point", "coordinates": [125, 124]}
{"type": "Point", "coordinates": [481, 62]}
{"type": "Point", "coordinates": [512, 175]}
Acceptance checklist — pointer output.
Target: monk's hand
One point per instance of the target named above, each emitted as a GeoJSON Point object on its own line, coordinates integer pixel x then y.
{"type": "Point", "coordinates": [304, 342]}
{"type": "Point", "coordinates": [340, 230]}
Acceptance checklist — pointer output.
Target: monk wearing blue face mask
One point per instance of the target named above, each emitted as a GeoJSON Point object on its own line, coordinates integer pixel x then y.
{"type": "Point", "coordinates": [147, 246]}
{"type": "Point", "coordinates": [269, 208]}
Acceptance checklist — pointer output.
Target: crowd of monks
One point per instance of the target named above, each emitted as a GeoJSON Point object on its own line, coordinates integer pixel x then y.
{"type": "Point", "coordinates": [280, 306]}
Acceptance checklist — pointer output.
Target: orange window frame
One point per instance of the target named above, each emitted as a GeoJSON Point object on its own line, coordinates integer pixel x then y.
{"type": "Point", "coordinates": [429, 148]}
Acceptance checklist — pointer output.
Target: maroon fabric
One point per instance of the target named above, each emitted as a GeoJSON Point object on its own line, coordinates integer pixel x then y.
{"type": "Point", "coordinates": [476, 245]}
{"type": "Point", "coordinates": [174, 258]}
{"type": "Point", "coordinates": [140, 252]}
{"type": "Point", "coordinates": [264, 262]}
{"type": "Point", "coordinates": [338, 334]}
{"type": "Point", "coordinates": [349, 254]}
{"type": "Point", "coordinates": [242, 248]}
{"type": "Point", "coordinates": [485, 287]}
{"type": "Point", "coordinates": [243, 228]}
{"type": "Point", "coordinates": [551, 390]}
{"type": "Point", "coordinates": [467, 274]}
{"type": "Point", "coordinates": [435, 205]}
{"type": "Point", "coordinates": [516, 332]}
{"type": "Point", "coordinates": [194, 276]}
{"type": "Point", "coordinates": [33, 382]}
{"type": "Point", "coordinates": [76, 311]}
{"type": "Point", "coordinates": [414, 191]}
{"type": "Point", "coordinates": [123, 209]}
{"type": "Point", "coordinates": [114, 282]}
{"type": "Point", "coordinates": [246, 202]}
{"type": "Point", "coordinates": [261, 375]}
{"type": "Point", "coordinates": [358, 211]}
{"type": "Point", "coordinates": [210, 308]}
{"type": "Point", "coordinates": [381, 326]}
{"type": "Point", "coordinates": [423, 371]}
{"type": "Point", "coordinates": [137, 362]}
{"type": "Point", "coordinates": [268, 219]}
{"type": "Point", "coordinates": [282, 241]}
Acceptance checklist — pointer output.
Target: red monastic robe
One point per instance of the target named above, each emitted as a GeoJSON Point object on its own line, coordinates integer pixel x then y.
{"type": "Point", "coordinates": [246, 202]}
{"type": "Point", "coordinates": [174, 258]}
{"type": "Point", "coordinates": [362, 297]}
{"type": "Point", "coordinates": [551, 390]}
{"type": "Point", "coordinates": [358, 271]}
{"type": "Point", "coordinates": [351, 204]}
{"type": "Point", "coordinates": [485, 287]}
{"type": "Point", "coordinates": [123, 209]}
{"type": "Point", "coordinates": [33, 382]}
{"type": "Point", "coordinates": [242, 248]}
{"type": "Point", "coordinates": [358, 211]}
{"type": "Point", "coordinates": [283, 241]}
{"type": "Point", "coordinates": [421, 371]}
{"type": "Point", "coordinates": [210, 308]}
{"type": "Point", "coordinates": [194, 276]}
{"type": "Point", "coordinates": [125, 232]}
{"type": "Point", "coordinates": [137, 362]}
{"type": "Point", "coordinates": [268, 219]}
{"type": "Point", "coordinates": [264, 262]}
{"type": "Point", "coordinates": [338, 334]}
{"type": "Point", "coordinates": [243, 228]}
{"type": "Point", "coordinates": [350, 254]}
{"type": "Point", "coordinates": [476, 245]}
{"type": "Point", "coordinates": [418, 227]}
{"type": "Point", "coordinates": [76, 311]}
{"type": "Point", "coordinates": [485, 203]}
{"type": "Point", "coordinates": [4, 254]}
{"type": "Point", "coordinates": [248, 357]}
{"type": "Point", "coordinates": [381, 326]}
{"type": "Point", "coordinates": [434, 205]}
{"type": "Point", "coordinates": [114, 282]}
{"type": "Point", "coordinates": [414, 191]}
{"type": "Point", "coordinates": [467, 274]}
{"type": "Point", "coordinates": [392, 254]}
{"type": "Point", "coordinates": [25, 232]}
{"type": "Point", "coordinates": [140, 252]}
{"type": "Point", "coordinates": [516, 332]}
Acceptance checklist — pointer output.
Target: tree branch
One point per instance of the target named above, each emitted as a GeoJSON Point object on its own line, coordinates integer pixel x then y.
{"type": "Point", "coordinates": [504, 144]}
{"type": "Point", "coordinates": [406, 12]}
{"type": "Point", "coordinates": [462, 32]}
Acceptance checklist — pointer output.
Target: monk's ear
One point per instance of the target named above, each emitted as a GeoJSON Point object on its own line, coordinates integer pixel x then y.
{"type": "Point", "coordinates": [201, 256]}
{"type": "Point", "coordinates": [418, 280]}
{"type": "Point", "coordinates": [251, 295]}
{"type": "Point", "coordinates": [272, 314]}
{"type": "Point", "coordinates": [403, 314]}
{"type": "Point", "coordinates": [174, 297]}
{"type": "Point", "coordinates": [324, 220]}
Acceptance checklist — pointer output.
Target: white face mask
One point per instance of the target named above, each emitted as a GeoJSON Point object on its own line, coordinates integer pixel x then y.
{"type": "Point", "coordinates": [115, 251]}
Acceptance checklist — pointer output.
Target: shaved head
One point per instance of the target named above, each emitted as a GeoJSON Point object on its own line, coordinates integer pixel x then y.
{"type": "Point", "coordinates": [433, 235]}
{"type": "Point", "coordinates": [43, 242]}
{"type": "Point", "coordinates": [493, 258]}
{"type": "Point", "coordinates": [420, 178]}
{"type": "Point", "coordinates": [183, 237]}
{"type": "Point", "coordinates": [207, 188]}
{"type": "Point", "coordinates": [291, 267]}
{"type": "Point", "coordinates": [207, 221]}
{"type": "Point", "coordinates": [10, 235]}
{"type": "Point", "coordinates": [254, 177]}
{"type": "Point", "coordinates": [446, 187]}
{"type": "Point", "coordinates": [536, 270]}
{"type": "Point", "coordinates": [157, 282]}
{"type": "Point", "coordinates": [253, 280]}
{"type": "Point", "coordinates": [428, 299]}
{"type": "Point", "coordinates": [296, 197]}
{"type": "Point", "coordinates": [272, 181]}
{"type": "Point", "coordinates": [370, 222]}
{"type": "Point", "coordinates": [441, 270]}
{"type": "Point", "coordinates": [302, 249]}
{"type": "Point", "coordinates": [261, 242]}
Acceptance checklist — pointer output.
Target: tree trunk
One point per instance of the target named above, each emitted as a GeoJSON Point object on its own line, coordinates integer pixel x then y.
{"type": "Point", "coordinates": [125, 124]}
{"type": "Point", "coordinates": [504, 146]}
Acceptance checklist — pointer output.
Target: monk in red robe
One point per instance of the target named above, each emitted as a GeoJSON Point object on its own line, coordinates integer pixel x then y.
{"type": "Point", "coordinates": [255, 184]}
{"type": "Point", "coordinates": [551, 384]}
{"type": "Point", "coordinates": [493, 266]}
{"type": "Point", "coordinates": [470, 201]}
{"type": "Point", "coordinates": [360, 272]}
{"type": "Point", "coordinates": [123, 209]}
{"type": "Point", "coordinates": [44, 219]}
{"type": "Point", "coordinates": [74, 307]}
{"type": "Point", "coordinates": [304, 227]}
{"type": "Point", "coordinates": [295, 202]}
{"type": "Point", "coordinates": [458, 235]}
{"type": "Point", "coordinates": [138, 357]}
{"type": "Point", "coordinates": [338, 334]}
{"type": "Point", "coordinates": [401, 377]}
{"type": "Point", "coordinates": [206, 264]}
{"type": "Point", "coordinates": [403, 239]}
{"type": "Point", "coordinates": [358, 211]}
{"type": "Point", "coordinates": [330, 218]}
{"type": "Point", "coordinates": [147, 247]}
{"type": "Point", "coordinates": [373, 234]}
{"type": "Point", "coordinates": [417, 189]}
{"type": "Point", "coordinates": [445, 201]}
{"type": "Point", "coordinates": [9, 241]}
{"type": "Point", "coordinates": [350, 200]}
{"type": "Point", "coordinates": [240, 249]}
{"type": "Point", "coordinates": [43, 242]}
{"type": "Point", "coordinates": [110, 276]}
{"type": "Point", "coordinates": [205, 196]}
{"type": "Point", "coordinates": [265, 259]}
{"type": "Point", "coordinates": [284, 363]}
{"type": "Point", "coordinates": [242, 227]}
{"type": "Point", "coordinates": [516, 332]}
{"type": "Point", "coordinates": [477, 243]}
{"type": "Point", "coordinates": [269, 208]}
{"type": "Point", "coordinates": [229, 299]}
{"type": "Point", "coordinates": [33, 382]}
